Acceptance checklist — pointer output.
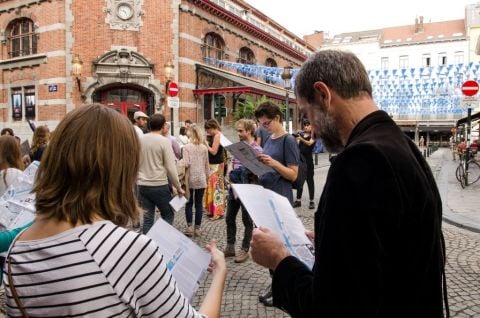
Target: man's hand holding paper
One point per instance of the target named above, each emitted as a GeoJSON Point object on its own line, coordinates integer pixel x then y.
{"type": "Point", "coordinates": [267, 249]}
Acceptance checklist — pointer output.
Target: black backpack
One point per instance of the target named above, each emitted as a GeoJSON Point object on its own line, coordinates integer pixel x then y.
{"type": "Point", "coordinates": [302, 168]}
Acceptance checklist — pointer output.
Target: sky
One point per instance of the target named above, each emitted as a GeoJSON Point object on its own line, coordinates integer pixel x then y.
{"type": "Point", "coordinates": [336, 16]}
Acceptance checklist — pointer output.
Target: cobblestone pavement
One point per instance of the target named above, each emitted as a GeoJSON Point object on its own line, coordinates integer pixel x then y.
{"type": "Point", "coordinates": [246, 280]}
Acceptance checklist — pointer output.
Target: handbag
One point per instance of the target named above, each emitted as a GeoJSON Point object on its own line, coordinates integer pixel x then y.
{"type": "Point", "coordinates": [14, 290]}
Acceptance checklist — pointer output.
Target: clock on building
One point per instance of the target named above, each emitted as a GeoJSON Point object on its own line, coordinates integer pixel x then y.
{"type": "Point", "coordinates": [124, 14]}
{"type": "Point", "coordinates": [124, 11]}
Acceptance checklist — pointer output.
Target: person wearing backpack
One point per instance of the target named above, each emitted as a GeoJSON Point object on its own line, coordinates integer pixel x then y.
{"type": "Point", "coordinates": [282, 154]}
{"type": "Point", "coordinates": [306, 143]}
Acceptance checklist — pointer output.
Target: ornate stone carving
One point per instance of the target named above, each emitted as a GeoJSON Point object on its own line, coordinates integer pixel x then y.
{"type": "Point", "coordinates": [124, 14]}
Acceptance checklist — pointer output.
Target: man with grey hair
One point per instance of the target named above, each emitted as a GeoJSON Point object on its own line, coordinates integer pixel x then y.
{"type": "Point", "coordinates": [379, 249]}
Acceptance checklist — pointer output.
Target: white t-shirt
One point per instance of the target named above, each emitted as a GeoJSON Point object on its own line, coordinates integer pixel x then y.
{"type": "Point", "coordinates": [94, 270]}
{"type": "Point", "coordinates": [7, 177]}
{"type": "Point", "coordinates": [139, 131]}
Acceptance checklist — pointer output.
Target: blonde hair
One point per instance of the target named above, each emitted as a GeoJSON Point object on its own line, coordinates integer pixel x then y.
{"type": "Point", "coordinates": [40, 138]}
{"type": "Point", "coordinates": [247, 124]}
{"type": "Point", "coordinates": [90, 168]}
{"type": "Point", "coordinates": [196, 135]}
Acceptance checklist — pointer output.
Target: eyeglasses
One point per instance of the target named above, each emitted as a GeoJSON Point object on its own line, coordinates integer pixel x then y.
{"type": "Point", "coordinates": [265, 124]}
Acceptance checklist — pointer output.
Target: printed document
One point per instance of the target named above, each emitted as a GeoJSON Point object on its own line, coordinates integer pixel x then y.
{"type": "Point", "coordinates": [248, 157]}
{"type": "Point", "coordinates": [187, 262]}
{"type": "Point", "coordinates": [17, 205]}
{"type": "Point", "coordinates": [271, 210]}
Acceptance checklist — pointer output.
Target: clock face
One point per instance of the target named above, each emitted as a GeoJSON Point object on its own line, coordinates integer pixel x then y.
{"type": "Point", "coordinates": [124, 11]}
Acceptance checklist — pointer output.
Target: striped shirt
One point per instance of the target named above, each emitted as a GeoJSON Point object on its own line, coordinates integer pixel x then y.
{"type": "Point", "coordinates": [94, 270]}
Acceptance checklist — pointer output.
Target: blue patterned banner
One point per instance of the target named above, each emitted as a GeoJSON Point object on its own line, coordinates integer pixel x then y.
{"type": "Point", "coordinates": [408, 91]}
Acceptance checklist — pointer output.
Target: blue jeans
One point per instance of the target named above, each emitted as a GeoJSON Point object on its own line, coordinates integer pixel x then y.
{"type": "Point", "coordinates": [197, 196]}
{"type": "Point", "coordinates": [156, 196]}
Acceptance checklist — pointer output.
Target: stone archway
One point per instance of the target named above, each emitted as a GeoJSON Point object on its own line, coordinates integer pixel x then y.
{"type": "Point", "coordinates": [124, 67]}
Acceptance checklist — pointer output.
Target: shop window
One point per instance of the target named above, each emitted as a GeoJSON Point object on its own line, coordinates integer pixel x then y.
{"type": "Point", "coordinates": [22, 39]}
{"type": "Point", "coordinates": [213, 48]}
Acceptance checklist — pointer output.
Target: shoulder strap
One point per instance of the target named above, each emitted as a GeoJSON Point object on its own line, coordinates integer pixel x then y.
{"type": "Point", "coordinates": [13, 289]}
{"type": "Point", "coordinates": [283, 150]}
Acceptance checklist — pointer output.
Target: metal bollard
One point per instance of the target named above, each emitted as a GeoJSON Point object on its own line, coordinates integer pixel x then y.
{"type": "Point", "coordinates": [424, 153]}
{"type": "Point", "coordinates": [316, 159]}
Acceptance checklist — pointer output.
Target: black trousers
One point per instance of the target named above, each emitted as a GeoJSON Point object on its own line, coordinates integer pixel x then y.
{"type": "Point", "coordinates": [233, 205]}
{"type": "Point", "coordinates": [309, 179]}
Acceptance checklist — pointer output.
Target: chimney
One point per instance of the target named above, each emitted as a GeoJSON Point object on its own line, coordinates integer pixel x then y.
{"type": "Point", "coordinates": [420, 24]}
{"type": "Point", "coordinates": [416, 25]}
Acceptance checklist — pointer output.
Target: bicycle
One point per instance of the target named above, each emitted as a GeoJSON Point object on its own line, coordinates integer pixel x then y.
{"type": "Point", "coordinates": [468, 170]}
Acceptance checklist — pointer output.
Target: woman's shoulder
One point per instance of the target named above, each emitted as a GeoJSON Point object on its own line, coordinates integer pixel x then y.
{"type": "Point", "coordinates": [106, 233]}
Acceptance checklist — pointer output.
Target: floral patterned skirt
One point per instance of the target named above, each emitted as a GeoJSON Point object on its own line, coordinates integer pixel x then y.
{"type": "Point", "coordinates": [214, 198]}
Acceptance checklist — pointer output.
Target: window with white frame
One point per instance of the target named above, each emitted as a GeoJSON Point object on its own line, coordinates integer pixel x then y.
{"type": "Point", "coordinates": [442, 59]}
{"type": "Point", "coordinates": [458, 57]}
{"type": "Point", "coordinates": [426, 60]}
{"type": "Point", "coordinates": [384, 63]}
{"type": "Point", "coordinates": [403, 61]}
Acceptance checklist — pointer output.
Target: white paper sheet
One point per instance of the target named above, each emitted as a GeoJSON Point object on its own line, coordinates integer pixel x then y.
{"type": "Point", "coordinates": [17, 205]}
{"type": "Point", "coordinates": [248, 157]}
{"type": "Point", "coordinates": [224, 141]}
{"type": "Point", "coordinates": [187, 262]}
{"type": "Point", "coordinates": [178, 202]}
{"type": "Point", "coordinates": [271, 210]}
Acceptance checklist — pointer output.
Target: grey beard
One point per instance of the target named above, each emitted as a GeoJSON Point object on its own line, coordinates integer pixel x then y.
{"type": "Point", "coordinates": [327, 131]}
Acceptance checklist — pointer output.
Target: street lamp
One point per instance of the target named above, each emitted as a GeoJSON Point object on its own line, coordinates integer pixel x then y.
{"type": "Point", "coordinates": [286, 77]}
{"type": "Point", "coordinates": [77, 70]}
{"type": "Point", "coordinates": [169, 76]}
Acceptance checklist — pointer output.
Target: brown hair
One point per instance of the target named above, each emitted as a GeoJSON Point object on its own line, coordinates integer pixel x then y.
{"type": "Point", "coordinates": [268, 109]}
{"type": "Point", "coordinates": [212, 124]}
{"type": "Point", "coordinates": [90, 168]}
{"type": "Point", "coordinates": [40, 138]}
{"type": "Point", "coordinates": [10, 156]}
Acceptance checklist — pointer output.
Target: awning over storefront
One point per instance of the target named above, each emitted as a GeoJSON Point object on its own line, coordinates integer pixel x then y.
{"type": "Point", "coordinates": [474, 117]}
{"type": "Point", "coordinates": [241, 84]}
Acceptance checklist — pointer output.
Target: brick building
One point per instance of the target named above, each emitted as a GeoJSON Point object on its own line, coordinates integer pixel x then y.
{"type": "Point", "coordinates": [57, 54]}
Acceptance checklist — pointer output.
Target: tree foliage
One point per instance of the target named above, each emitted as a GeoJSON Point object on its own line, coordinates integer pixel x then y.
{"type": "Point", "coordinates": [246, 108]}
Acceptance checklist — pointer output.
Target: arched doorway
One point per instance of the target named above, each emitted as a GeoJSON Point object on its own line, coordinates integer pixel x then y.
{"type": "Point", "coordinates": [126, 99]}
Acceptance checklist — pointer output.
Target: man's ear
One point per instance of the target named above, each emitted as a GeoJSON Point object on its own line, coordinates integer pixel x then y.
{"type": "Point", "coordinates": [322, 92]}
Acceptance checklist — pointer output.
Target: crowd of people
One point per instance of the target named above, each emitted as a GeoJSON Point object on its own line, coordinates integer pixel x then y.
{"type": "Point", "coordinates": [379, 253]}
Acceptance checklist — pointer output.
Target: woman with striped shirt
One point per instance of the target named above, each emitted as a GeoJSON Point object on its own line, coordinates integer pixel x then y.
{"type": "Point", "coordinates": [77, 260]}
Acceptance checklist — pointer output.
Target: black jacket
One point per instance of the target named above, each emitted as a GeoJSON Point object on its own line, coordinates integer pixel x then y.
{"type": "Point", "coordinates": [378, 240]}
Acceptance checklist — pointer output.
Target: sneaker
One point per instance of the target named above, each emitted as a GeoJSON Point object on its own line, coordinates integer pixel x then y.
{"type": "Point", "coordinates": [311, 205]}
{"type": "Point", "coordinates": [242, 256]}
{"type": "Point", "coordinates": [229, 251]}
{"type": "Point", "coordinates": [297, 204]}
{"type": "Point", "coordinates": [189, 231]}
{"type": "Point", "coordinates": [198, 232]}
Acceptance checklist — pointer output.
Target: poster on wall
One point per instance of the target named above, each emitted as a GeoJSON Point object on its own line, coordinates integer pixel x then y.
{"type": "Point", "coordinates": [29, 106]}
{"type": "Point", "coordinates": [17, 106]}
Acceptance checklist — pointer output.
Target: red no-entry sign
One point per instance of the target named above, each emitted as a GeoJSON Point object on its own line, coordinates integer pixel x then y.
{"type": "Point", "coordinates": [172, 89]}
{"type": "Point", "coordinates": [470, 88]}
